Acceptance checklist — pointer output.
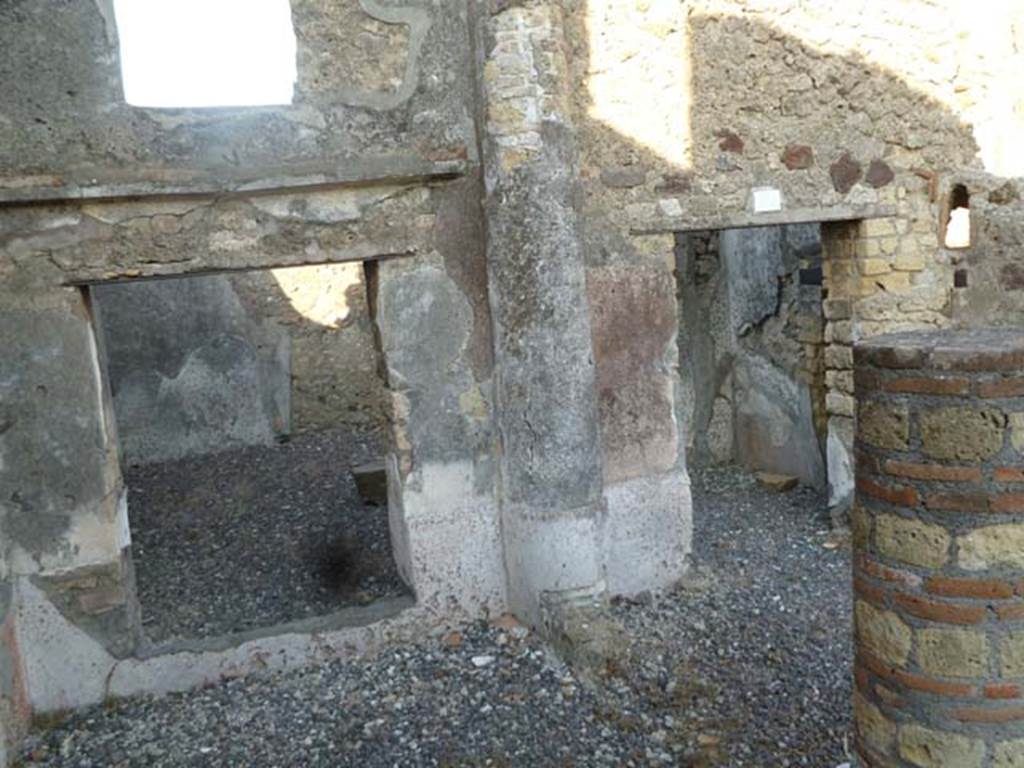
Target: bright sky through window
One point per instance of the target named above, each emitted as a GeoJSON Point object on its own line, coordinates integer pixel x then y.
{"type": "Point", "coordinates": [206, 53]}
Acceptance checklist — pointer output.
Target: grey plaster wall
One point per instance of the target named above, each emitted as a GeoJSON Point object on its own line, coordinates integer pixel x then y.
{"type": "Point", "coordinates": [190, 371]}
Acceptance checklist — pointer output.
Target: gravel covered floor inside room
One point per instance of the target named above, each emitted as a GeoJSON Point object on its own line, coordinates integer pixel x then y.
{"type": "Point", "coordinates": [746, 664]}
{"type": "Point", "coordinates": [257, 537]}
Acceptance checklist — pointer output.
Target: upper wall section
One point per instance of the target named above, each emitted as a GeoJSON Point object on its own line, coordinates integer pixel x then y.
{"type": "Point", "coordinates": [827, 101]}
{"type": "Point", "coordinates": [384, 91]}
{"type": "Point", "coordinates": [851, 110]}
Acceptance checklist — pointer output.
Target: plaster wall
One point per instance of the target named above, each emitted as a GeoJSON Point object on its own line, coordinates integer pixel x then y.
{"type": "Point", "coordinates": [203, 364]}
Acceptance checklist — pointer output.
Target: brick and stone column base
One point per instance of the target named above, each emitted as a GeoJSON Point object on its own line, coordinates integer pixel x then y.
{"type": "Point", "coordinates": [939, 550]}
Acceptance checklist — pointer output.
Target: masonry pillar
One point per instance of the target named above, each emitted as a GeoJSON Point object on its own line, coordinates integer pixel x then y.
{"type": "Point", "coordinates": [63, 514]}
{"type": "Point", "coordinates": [547, 413]}
{"type": "Point", "coordinates": [939, 550]}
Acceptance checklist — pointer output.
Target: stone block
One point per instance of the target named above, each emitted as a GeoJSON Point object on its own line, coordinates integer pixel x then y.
{"type": "Point", "coordinates": [1017, 433]}
{"type": "Point", "coordinates": [839, 332]}
{"type": "Point", "coordinates": [952, 652]}
{"type": "Point", "coordinates": [885, 426]}
{"type": "Point", "coordinates": [877, 227]}
{"type": "Point", "coordinates": [883, 633]}
{"type": "Point", "coordinates": [991, 547]}
{"type": "Point", "coordinates": [840, 380]}
{"type": "Point", "coordinates": [874, 266]}
{"type": "Point", "coordinates": [928, 748]}
{"type": "Point", "coordinates": [839, 404]}
{"type": "Point", "coordinates": [372, 482]}
{"type": "Point", "coordinates": [962, 434]}
{"type": "Point", "coordinates": [876, 730]}
{"type": "Point", "coordinates": [836, 309]}
{"type": "Point", "coordinates": [777, 483]}
{"type": "Point", "coordinates": [623, 176]}
{"type": "Point", "coordinates": [1011, 655]}
{"type": "Point", "coordinates": [912, 541]}
{"type": "Point", "coordinates": [909, 261]}
{"type": "Point", "coordinates": [1008, 754]}
{"type": "Point", "coordinates": [839, 357]}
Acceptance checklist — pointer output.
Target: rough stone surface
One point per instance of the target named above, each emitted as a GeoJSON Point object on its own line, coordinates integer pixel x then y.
{"type": "Point", "coordinates": [883, 633]}
{"type": "Point", "coordinates": [884, 426]}
{"type": "Point", "coordinates": [962, 434]}
{"type": "Point", "coordinates": [935, 749]}
{"type": "Point", "coordinates": [1009, 754]}
{"type": "Point", "coordinates": [992, 546]}
{"type": "Point", "coordinates": [952, 652]}
{"type": "Point", "coordinates": [913, 541]}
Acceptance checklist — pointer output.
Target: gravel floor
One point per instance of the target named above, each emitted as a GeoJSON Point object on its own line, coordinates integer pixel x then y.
{"type": "Point", "coordinates": [257, 537]}
{"type": "Point", "coordinates": [747, 664]}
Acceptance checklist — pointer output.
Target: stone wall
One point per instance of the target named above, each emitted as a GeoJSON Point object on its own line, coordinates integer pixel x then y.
{"type": "Point", "coordinates": [374, 163]}
{"type": "Point", "coordinates": [385, 99]}
{"type": "Point", "coordinates": [939, 549]}
{"type": "Point", "coordinates": [863, 116]}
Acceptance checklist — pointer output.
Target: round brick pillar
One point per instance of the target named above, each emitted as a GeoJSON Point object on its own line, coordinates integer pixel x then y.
{"type": "Point", "coordinates": [938, 532]}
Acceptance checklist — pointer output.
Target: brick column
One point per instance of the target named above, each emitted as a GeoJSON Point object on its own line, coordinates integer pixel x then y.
{"type": "Point", "coordinates": [939, 550]}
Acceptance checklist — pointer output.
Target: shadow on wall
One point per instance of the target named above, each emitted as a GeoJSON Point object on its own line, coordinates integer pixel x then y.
{"type": "Point", "coordinates": [209, 363]}
{"type": "Point", "coordinates": [738, 103]}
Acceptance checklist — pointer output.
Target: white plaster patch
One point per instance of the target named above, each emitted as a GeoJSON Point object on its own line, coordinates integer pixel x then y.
{"type": "Point", "coordinates": [93, 538]}
{"type": "Point", "coordinates": [447, 537]}
{"type": "Point", "coordinates": [767, 200]}
{"type": "Point", "coordinates": [557, 555]}
{"type": "Point", "coordinates": [64, 667]}
{"type": "Point", "coordinates": [840, 470]}
{"type": "Point", "coordinates": [649, 530]}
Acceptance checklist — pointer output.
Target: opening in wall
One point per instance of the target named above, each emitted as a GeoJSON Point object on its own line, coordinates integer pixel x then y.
{"type": "Point", "coordinates": [198, 53]}
{"type": "Point", "coordinates": [251, 426]}
{"type": "Point", "coordinates": [751, 349]}
{"type": "Point", "coordinates": [956, 224]}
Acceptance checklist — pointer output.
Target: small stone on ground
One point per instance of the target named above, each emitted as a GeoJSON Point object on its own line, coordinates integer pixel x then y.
{"type": "Point", "coordinates": [777, 483]}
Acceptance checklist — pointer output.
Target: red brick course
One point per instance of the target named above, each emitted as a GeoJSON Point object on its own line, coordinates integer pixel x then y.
{"type": "Point", "coordinates": [983, 589]}
{"type": "Point", "coordinates": [1003, 388]}
{"type": "Point", "coordinates": [933, 472]}
{"type": "Point", "coordinates": [904, 496]}
{"type": "Point", "coordinates": [915, 681]}
{"type": "Point", "coordinates": [1008, 503]}
{"type": "Point", "coordinates": [932, 610]}
{"type": "Point", "coordinates": [1008, 475]}
{"type": "Point", "coordinates": [927, 386]}
{"type": "Point", "coordinates": [957, 502]}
